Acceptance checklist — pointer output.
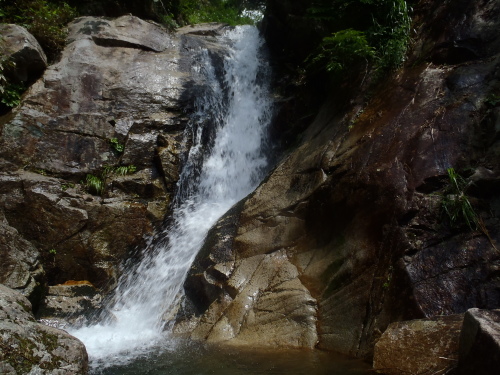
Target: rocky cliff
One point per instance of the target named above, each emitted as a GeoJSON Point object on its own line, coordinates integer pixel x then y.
{"type": "Point", "coordinates": [90, 159]}
{"type": "Point", "coordinates": [350, 232]}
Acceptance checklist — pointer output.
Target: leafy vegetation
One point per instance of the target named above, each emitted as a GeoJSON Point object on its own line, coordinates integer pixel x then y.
{"type": "Point", "coordinates": [116, 145]}
{"type": "Point", "coordinates": [3, 80]}
{"type": "Point", "coordinates": [376, 31]}
{"type": "Point", "coordinates": [343, 50]}
{"type": "Point", "coordinates": [456, 203]}
{"type": "Point", "coordinates": [94, 184]}
{"type": "Point", "coordinates": [125, 169]}
{"type": "Point", "coordinates": [11, 94]}
{"type": "Point", "coordinates": [97, 184]}
{"type": "Point", "coordinates": [457, 206]}
{"type": "Point", "coordinates": [225, 11]}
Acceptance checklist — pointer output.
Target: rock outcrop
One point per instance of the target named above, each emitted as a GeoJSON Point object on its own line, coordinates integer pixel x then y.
{"type": "Point", "coordinates": [355, 213]}
{"type": "Point", "coordinates": [28, 347]}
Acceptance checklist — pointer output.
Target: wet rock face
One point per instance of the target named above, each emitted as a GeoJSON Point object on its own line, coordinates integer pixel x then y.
{"type": "Point", "coordinates": [74, 303]}
{"type": "Point", "coordinates": [357, 208]}
{"type": "Point", "coordinates": [111, 112]}
{"type": "Point", "coordinates": [79, 236]}
{"type": "Point", "coordinates": [31, 347]}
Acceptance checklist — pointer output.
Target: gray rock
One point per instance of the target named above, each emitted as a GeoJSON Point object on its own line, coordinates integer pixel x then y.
{"type": "Point", "coordinates": [480, 342]}
{"type": "Point", "coordinates": [265, 304]}
{"type": "Point", "coordinates": [115, 77]}
{"type": "Point", "coordinates": [17, 45]}
{"type": "Point", "coordinates": [29, 347]}
{"type": "Point", "coordinates": [20, 266]}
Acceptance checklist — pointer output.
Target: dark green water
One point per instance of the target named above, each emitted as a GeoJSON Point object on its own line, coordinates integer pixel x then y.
{"type": "Point", "coordinates": [196, 359]}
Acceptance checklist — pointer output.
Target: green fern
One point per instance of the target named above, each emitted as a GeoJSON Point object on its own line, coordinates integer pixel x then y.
{"type": "Point", "coordinates": [125, 169]}
{"type": "Point", "coordinates": [94, 184]}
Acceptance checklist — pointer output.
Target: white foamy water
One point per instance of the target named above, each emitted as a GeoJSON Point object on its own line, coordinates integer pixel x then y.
{"type": "Point", "coordinates": [236, 107]}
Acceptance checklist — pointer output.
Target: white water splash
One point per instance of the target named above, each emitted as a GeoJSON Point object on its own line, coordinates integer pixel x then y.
{"type": "Point", "coordinates": [214, 178]}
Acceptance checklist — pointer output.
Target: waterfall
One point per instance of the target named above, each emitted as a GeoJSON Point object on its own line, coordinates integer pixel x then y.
{"type": "Point", "coordinates": [235, 112]}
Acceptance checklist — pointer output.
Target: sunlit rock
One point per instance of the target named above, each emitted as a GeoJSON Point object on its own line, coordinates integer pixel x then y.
{"type": "Point", "coordinates": [29, 347]}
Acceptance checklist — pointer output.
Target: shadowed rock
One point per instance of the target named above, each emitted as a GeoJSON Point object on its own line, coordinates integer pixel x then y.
{"type": "Point", "coordinates": [480, 342]}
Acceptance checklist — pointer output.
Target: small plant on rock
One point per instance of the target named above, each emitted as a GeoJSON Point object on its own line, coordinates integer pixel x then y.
{"type": "Point", "coordinates": [458, 208]}
{"type": "Point", "coordinates": [97, 184]}
{"type": "Point", "coordinates": [456, 203]}
{"type": "Point", "coordinates": [116, 145]}
{"type": "Point", "coordinates": [94, 184]}
{"type": "Point", "coordinates": [125, 169]}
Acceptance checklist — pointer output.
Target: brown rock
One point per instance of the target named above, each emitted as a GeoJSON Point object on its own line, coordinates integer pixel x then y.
{"type": "Point", "coordinates": [425, 346]}
{"type": "Point", "coordinates": [357, 205]}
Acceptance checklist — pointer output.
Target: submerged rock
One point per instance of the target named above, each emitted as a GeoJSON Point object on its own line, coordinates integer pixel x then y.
{"type": "Point", "coordinates": [29, 347]}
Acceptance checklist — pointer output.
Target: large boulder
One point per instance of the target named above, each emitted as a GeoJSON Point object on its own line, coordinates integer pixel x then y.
{"type": "Point", "coordinates": [19, 47]}
{"type": "Point", "coordinates": [423, 346]}
{"type": "Point", "coordinates": [480, 342]}
{"type": "Point", "coordinates": [29, 347]}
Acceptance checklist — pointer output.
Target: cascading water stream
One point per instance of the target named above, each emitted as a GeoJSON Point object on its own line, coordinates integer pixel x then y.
{"type": "Point", "coordinates": [237, 110]}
